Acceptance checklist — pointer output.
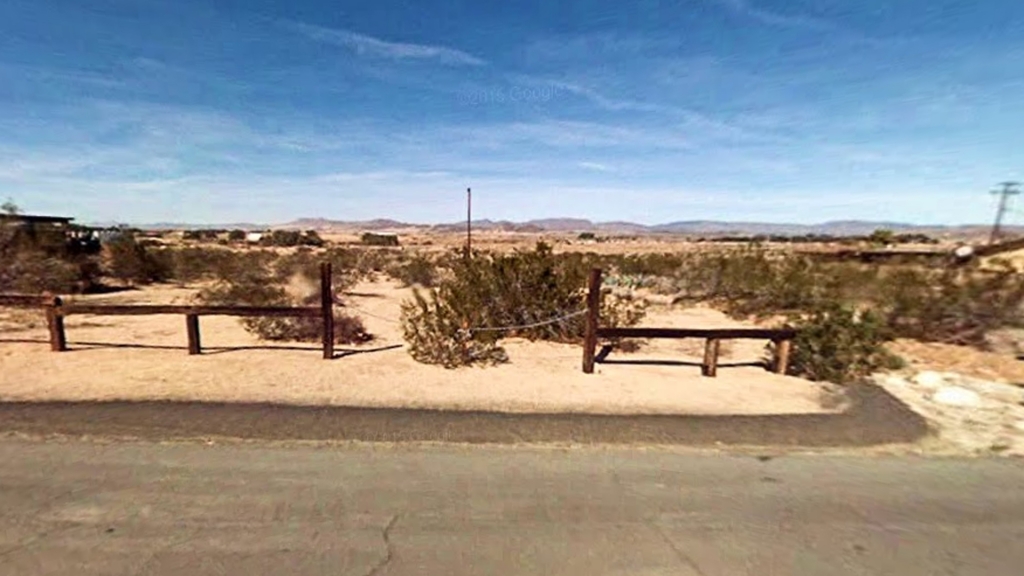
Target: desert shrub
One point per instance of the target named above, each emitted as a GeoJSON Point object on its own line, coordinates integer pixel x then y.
{"type": "Point", "coordinates": [259, 287]}
{"type": "Point", "coordinates": [420, 270]}
{"type": "Point", "coordinates": [194, 263]}
{"type": "Point", "coordinates": [490, 296]}
{"type": "Point", "coordinates": [955, 306]}
{"type": "Point", "coordinates": [374, 239]}
{"type": "Point", "coordinates": [204, 235]}
{"type": "Point", "coordinates": [836, 344]}
{"type": "Point", "coordinates": [586, 236]}
{"type": "Point", "coordinates": [292, 238]}
{"type": "Point", "coordinates": [43, 261]}
{"type": "Point", "coordinates": [236, 236]}
{"type": "Point", "coordinates": [32, 273]}
{"type": "Point", "coordinates": [435, 334]}
{"type": "Point", "coordinates": [133, 263]}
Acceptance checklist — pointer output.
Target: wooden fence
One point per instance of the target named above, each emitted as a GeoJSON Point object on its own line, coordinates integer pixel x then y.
{"type": "Point", "coordinates": [781, 337]}
{"type": "Point", "coordinates": [56, 310]}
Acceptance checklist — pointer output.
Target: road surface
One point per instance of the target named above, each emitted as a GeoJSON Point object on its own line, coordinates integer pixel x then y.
{"type": "Point", "coordinates": [146, 508]}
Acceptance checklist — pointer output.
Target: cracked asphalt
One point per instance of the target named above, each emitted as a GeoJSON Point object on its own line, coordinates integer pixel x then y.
{"type": "Point", "coordinates": [72, 507]}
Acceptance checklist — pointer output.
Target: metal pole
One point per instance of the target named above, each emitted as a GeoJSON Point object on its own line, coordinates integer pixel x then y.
{"type": "Point", "coordinates": [469, 222]}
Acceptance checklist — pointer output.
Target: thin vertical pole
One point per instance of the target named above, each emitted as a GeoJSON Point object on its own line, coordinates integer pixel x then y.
{"type": "Point", "coordinates": [469, 222]}
{"type": "Point", "coordinates": [593, 317]}
{"type": "Point", "coordinates": [327, 309]}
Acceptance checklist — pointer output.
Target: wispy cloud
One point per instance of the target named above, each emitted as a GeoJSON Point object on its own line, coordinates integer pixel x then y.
{"type": "Point", "coordinates": [596, 166]}
{"type": "Point", "coordinates": [746, 8]}
{"type": "Point", "coordinates": [369, 46]}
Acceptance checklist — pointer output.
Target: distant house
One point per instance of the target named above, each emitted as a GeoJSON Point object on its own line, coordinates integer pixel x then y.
{"type": "Point", "coordinates": [254, 237]}
{"type": "Point", "coordinates": [34, 224]}
{"type": "Point", "coordinates": [53, 234]}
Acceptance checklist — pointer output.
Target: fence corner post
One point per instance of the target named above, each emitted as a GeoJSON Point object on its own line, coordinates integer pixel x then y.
{"type": "Point", "coordinates": [327, 309]}
{"type": "Point", "coordinates": [592, 318]}
{"type": "Point", "coordinates": [55, 324]}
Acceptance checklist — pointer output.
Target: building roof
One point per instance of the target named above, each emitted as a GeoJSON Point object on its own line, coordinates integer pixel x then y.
{"type": "Point", "coordinates": [34, 219]}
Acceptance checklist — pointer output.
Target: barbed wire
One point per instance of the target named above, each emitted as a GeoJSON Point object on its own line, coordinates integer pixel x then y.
{"type": "Point", "coordinates": [366, 312]}
{"type": "Point", "coordinates": [549, 321]}
{"type": "Point", "coordinates": [510, 328]}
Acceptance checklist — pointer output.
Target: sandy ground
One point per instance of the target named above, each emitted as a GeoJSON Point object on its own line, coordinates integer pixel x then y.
{"type": "Point", "coordinates": [144, 358]}
{"type": "Point", "coordinates": [960, 359]}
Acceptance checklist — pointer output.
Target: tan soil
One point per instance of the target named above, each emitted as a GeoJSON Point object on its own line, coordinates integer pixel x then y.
{"type": "Point", "coordinates": [137, 358]}
{"type": "Point", "coordinates": [960, 359]}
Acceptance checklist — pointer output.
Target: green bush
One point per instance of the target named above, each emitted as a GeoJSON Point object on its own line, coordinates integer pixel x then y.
{"type": "Point", "coordinates": [491, 296]}
{"type": "Point", "coordinates": [435, 334]}
{"type": "Point", "coordinates": [835, 344]}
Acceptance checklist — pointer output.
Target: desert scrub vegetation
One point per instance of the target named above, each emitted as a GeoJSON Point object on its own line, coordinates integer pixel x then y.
{"type": "Point", "coordinates": [287, 281]}
{"type": "Point", "coordinates": [488, 297]}
{"type": "Point", "coordinates": [417, 270]}
{"type": "Point", "coordinates": [38, 260]}
{"type": "Point", "coordinates": [837, 344]}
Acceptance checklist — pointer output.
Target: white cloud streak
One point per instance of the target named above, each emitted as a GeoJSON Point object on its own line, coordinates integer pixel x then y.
{"type": "Point", "coordinates": [745, 8]}
{"type": "Point", "coordinates": [369, 46]}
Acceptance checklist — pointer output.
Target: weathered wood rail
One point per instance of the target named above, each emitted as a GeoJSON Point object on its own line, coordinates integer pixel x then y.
{"type": "Point", "coordinates": [56, 310]}
{"type": "Point", "coordinates": [781, 337]}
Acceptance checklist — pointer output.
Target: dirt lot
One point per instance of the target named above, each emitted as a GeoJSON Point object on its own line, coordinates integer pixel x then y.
{"type": "Point", "coordinates": [144, 358]}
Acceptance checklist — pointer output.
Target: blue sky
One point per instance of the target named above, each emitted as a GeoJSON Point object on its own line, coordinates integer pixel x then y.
{"type": "Point", "coordinates": [652, 111]}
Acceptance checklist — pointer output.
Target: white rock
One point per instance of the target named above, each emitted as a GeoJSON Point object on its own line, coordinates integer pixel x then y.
{"type": "Point", "coordinates": [929, 379]}
{"type": "Point", "coordinates": [957, 396]}
{"type": "Point", "coordinates": [1019, 425]}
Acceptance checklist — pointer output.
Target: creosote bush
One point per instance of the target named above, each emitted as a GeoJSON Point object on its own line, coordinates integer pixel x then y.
{"type": "Point", "coordinates": [836, 344]}
{"type": "Point", "coordinates": [489, 296]}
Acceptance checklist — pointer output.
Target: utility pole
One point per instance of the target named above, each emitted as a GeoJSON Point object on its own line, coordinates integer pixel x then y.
{"type": "Point", "coordinates": [1007, 189]}
{"type": "Point", "coordinates": [469, 222]}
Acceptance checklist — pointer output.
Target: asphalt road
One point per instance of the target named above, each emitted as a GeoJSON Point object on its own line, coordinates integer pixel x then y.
{"type": "Point", "coordinates": [146, 508]}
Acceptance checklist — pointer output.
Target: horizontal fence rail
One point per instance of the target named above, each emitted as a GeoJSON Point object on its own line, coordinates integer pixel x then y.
{"type": "Point", "coordinates": [153, 309]}
{"type": "Point", "coordinates": [24, 300]}
{"type": "Point", "coordinates": [56, 311]}
{"type": "Point", "coordinates": [720, 333]}
{"type": "Point", "coordinates": [781, 337]}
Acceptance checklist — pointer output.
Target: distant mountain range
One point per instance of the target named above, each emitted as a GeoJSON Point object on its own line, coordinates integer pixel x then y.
{"type": "Point", "coordinates": [577, 225]}
{"type": "Point", "coordinates": [688, 228]}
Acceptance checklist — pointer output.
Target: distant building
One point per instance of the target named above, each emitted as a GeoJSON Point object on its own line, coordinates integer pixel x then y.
{"type": "Point", "coordinates": [53, 234]}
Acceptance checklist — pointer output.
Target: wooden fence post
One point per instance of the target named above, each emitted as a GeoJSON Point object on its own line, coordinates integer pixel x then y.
{"type": "Point", "coordinates": [593, 317]}
{"type": "Point", "coordinates": [327, 309]}
{"type": "Point", "coordinates": [710, 366]}
{"type": "Point", "coordinates": [782, 349]}
{"type": "Point", "coordinates": [55, 324]}
{"type": "Point", "coordinates": [194, 343]}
